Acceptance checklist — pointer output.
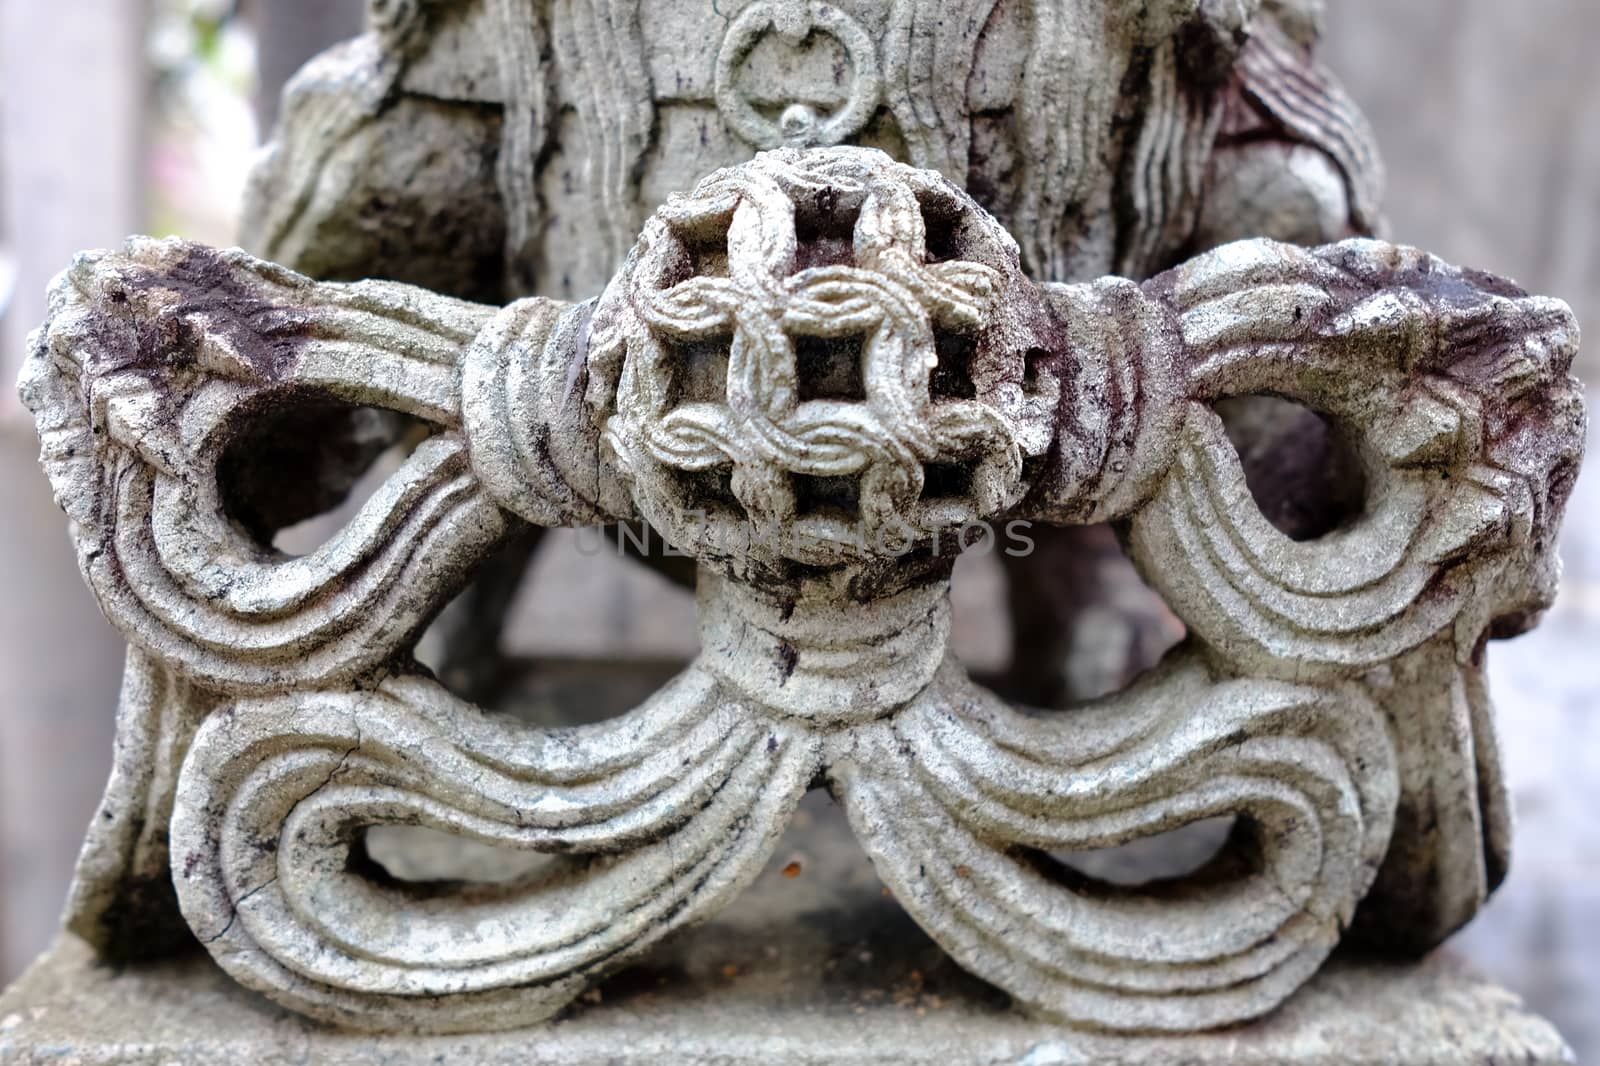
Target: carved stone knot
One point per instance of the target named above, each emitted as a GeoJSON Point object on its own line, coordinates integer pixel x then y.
{"type": "Point", "coordinates": [819, 356]}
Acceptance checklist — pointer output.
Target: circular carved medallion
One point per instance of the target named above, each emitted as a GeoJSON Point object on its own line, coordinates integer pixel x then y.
{"type": "Point", "coordinates": [800, 125]}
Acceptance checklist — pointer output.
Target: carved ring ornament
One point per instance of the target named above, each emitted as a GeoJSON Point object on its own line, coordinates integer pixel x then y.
{"type": "Point", "coordinates": [825, 343]}
{"type": "Point", "coordinates": [799, 125]}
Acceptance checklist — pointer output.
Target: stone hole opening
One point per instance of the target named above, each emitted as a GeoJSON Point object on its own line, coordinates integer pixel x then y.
{"type": "Point", "coordinates": [1033, 362]}
{"type": "Point", "coordinates": [1033, 468]}
{"type": "Point", "coordinates": [825, 230]}
{"type": "Point", "coordinates": [831, 368]}
{"type": "Point", "coordinates": [951, 378]}
{"type": "Point", "coordinates": [699, 370]}
{"type": "Point", "coordinates": [709, 489]}
{"type": "Point", "coordinates": [420, 856]}
{"type": "Point", "coordinates": [297, 469]}
{"type": "Point", "coordinates": [1305, 472]}
{"type": "Point", "coordinates": [708, 253]}
{"type": "Point", "coordinates": [1209, 847]}
{"type": "Point", "coordinates": [947, 481]}
{"type": "Point", "coordinates": [827, 497]}
{"type": "Point", "coordinates": [1084, 622]}
{"type": "Point", "coordinates": [942, 220]}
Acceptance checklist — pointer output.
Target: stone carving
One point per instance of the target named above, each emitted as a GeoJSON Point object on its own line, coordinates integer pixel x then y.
{"type": "Point", "coordinates": [1104, 134]}
{"type": "Point", "coordinates": [799, 124]}
{"type": "Point", "coordinates": [508, 149]}
{"type": "Point", "coordinates": [813, 351]}
{"type": "Point", "coordinates": [839, 364]}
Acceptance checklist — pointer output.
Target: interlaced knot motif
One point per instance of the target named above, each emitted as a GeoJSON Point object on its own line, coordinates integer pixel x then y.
{"type": "Point", "coordinates": [810, 350]}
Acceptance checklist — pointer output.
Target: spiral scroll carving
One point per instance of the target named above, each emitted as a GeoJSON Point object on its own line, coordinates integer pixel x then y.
{"type": "Point", "coordinates": [957, 799]}
{"type": "Point", "coordinates": [151, 362]}
{"type": "Point", "coordinates": [658, 817]}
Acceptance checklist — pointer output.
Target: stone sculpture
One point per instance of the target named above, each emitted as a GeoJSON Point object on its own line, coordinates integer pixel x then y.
{"type": "Point", "coordinates": [1113, 138]}
{"type": "Point", "coordinates": [815, 373]}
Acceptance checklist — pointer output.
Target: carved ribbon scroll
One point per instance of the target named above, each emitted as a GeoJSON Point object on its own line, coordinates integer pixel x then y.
{"type": "Point", "coordinates": [827, 342]}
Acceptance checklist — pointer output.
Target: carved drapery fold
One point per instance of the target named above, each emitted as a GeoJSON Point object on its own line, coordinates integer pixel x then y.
{"type": "Point", "coordinates": [658, 818]}
{"type": "Point", "coordinates": [957, 798]}
{"type": "Point", "coordinates": [829, 342]}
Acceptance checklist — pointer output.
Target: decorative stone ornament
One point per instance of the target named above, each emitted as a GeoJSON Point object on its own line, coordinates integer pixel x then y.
{"type": "Point", "coordinates": [799, 124]}
{"type": "Point", "coordinates": [820, 373]}
{"type": "Point", "coordinates": [805, 353]}
{"type": "Point", "coordinates": [824, 378]}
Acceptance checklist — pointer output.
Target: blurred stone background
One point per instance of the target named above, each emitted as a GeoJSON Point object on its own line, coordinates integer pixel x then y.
{"type": "Point", "coordinates": [121, 116]}
{"type": "Point", "coordinates": [1489, 117]}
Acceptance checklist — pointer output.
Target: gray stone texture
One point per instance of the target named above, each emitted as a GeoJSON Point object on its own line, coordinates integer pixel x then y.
{"type": "Point", "coordinates": [816, 969]}
{"type": "Point", "coordinates": [1415, 866]}
{"type": "Point", "coordinates": [283, 678]}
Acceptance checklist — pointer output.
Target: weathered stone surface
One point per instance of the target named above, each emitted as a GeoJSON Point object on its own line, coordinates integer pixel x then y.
{"type": "Point", "coordinates": [816, 372]}
{"type": "Point", "coordinates": [1092, 129]}
{"type": "Point", "coordinates": [511, 149]}
{"type": "Point", "coordinates": [1304, 702]}
{"type": "Point", "coordinates": [818, 969]}
{"type": "Point", "coordinates": [813, 970]}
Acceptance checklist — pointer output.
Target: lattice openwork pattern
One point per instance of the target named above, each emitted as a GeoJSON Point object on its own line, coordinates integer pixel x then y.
{"type": "Point", "coordinates": [814, 353]}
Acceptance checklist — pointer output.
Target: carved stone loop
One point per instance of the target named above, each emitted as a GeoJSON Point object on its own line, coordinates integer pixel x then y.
{"type": "Point", "coordinates": [799, 125]}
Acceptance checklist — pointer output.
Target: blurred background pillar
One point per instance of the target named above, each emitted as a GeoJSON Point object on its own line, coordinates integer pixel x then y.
{"type": "Point", "coordinates": [73, 88]}
{"type": "Point", "coordinates": [1488, 114]}
{"type": "Point", "coordinates": [289, 32]}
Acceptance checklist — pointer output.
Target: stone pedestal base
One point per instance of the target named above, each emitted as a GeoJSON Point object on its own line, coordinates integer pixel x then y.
{"type": "Point", "coordinates": [723, 1001]}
